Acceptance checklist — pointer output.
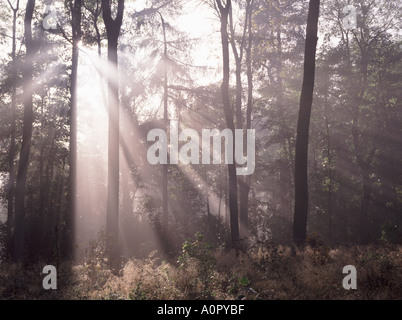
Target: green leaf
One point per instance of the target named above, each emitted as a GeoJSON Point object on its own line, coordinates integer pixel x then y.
{"type": "Point", "coordinates": [244, 281]}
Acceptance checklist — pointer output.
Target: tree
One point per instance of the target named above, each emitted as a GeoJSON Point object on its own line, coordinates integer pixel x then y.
{"type": "Point", "coordinates": [11, 179]}
{"type": "Point", "coordinates": [244, 182]}
{"type": "Point", "coordinates": [165, 205]}
{"type": "Point", "coordinates": [75, 9]}
{"type": "Point", "coordinates": [357, 161]}
{"type": "Point", "coordinates": [233, 206]}
{"type": "Point", "coordinates": [113, 31]}
{"type": "Point", "coordinates": [303, 124]}
{"type": "Point", "coordinates": [278, 48]}
{"type": "Point", "coordinates": [365, 74]}
{"type": "Point", "coordinates": [31, 48]}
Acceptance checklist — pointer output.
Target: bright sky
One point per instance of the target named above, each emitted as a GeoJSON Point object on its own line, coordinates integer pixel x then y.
{"type": "Point", "coordinates": [199, 21]}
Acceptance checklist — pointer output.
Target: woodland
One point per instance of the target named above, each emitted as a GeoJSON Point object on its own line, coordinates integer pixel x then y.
{"type": "Point", "coordinates": [316, 88]}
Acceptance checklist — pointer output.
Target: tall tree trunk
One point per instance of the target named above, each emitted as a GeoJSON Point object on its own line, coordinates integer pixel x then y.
{"type": "Point", "coordinates": [330, 182]}
{"type": "Point", "coordinates": [303, 124]}
{"type": "Point", "coordinates": [283, 168]}
{"type": "Point", "coordinates": [165, 205]}
{"type": "Point", "coordinates": [364, 163]}
{"type": "Point", "coordinates": [56, 212]}
{"type": "Point", "coordinates": [75, 9]}
{"type": "Point", "coordinates": [329, 157]}
{"type": "Point", "coordinates": [233, 207]}
{"type": "Point", "coordinates": [112, 216]}
{"type": "Point", "coordinates": [43, 180]}
{"type": "Point", "coordinates": [19, 233]}
{"type": "Point", "coordinates": [245, 182]}
{"type": "Point", "coordinates": [11, 179]}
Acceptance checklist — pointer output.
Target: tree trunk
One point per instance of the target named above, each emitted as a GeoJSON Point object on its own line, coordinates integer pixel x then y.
{"type": "Point", "coordinates": [76, 28]}
{"type": "Point", "coordinates": [245, 182]}
{"type": "Point", "coordinates": [226, 207]}
{"type": "Point", "coordinates": [165, 205]}
{"type": "Point", "coordinates": [127, 205]}
{"type": "Point", "coordinates": [364, 162]}
{"type": "Point", "coordinates": [364, 208]}
{"type": "Point", "coordinates": [98, 35]}
{"type": "Point", "coordinates": [220, 206]}
{"type": "Point", "coordinates": [303, 124]}
{"type": "Point", "coordinates": [364, 166]}
{"type": "Point", "coordinates": [19, 233]}
{"type": "Point", "coordinates": [283, 168]}
{"type": "Point", "coordinates": [11, 165]}
{"type": "Point", "coordinates": [329, 157]}
{"type": "Point", "coordinates": [233, 207]}
{"type": "Point", "coordinates": [207, 196]}
{"type": "Point", "coordinates": [112, 216]}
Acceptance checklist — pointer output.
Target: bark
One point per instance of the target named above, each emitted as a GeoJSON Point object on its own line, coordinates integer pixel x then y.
{"type": "Point", "coordinates": [207, 196]}
{"type": "Point", "coordinates": [364, 209]}
{"type": "Point", "coordinates": [233, 207]}
{"type": "Point", "coordinates": [127, 206]}
{"type": "Point", "coordinates": [363, 162]}
{"type": "Point", "coordinates": [329, 176]}
{"type": "Point", "coordinates": [303, 124]}
{"type": "Point", "coordinates": [165, 205]}
{"type": "Point", "coordinates": [329, 157]}
{"type": "Point", "coordinates": [245, 182]}
{"type": "Point", "coordinates": [11, 165]}
{"type": "Point", "coordinates": [283, 169]}
{"type": "Point", "coordinates": [220, 205]}
{"type": "Point", "coordinates": [364, 165]}
{"type": "Point", "coordinates": [75, 9]}
{"type": "Point", "coordinates": [19, 233]}
{"type": "Point", "coordinates": [112, 216]}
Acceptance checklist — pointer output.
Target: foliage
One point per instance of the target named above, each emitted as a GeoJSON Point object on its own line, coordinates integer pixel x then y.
{"type": "Point", "coordinates": [197, 253]}
{"type": "Point", "coordinates": [267, 272]}
{"type": "Point", "coordinates": [196, 249]}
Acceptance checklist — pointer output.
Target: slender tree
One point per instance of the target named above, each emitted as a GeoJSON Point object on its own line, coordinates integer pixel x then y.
{"type": "Point", "coordinates": [233, 206]}
{"type": "Point", "coordinates": [75, 9]}
{"type": "Point", "coordinates": [31, 48]}
{"type": "Point", "coordinates": [245, 182]}
{"type": "Point", "coordinates": [303, 125]}
{"type": "Point", "coordinates": [283, 172]}
{"type": "Point", "coordinates": [238, 54]}
{"type": "Point", "coordinates": [11, 165]}
{"type": "Point", "coordinates": [113, 31]}
{"type": "Point", "coordinates": [165, 205]}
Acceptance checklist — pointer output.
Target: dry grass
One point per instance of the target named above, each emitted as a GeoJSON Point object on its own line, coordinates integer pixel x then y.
{"type": "Point", "coordinates": [275, 272]}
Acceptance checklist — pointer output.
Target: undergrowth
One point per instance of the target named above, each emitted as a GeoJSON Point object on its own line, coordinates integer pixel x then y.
{"type": "Point", "coordinates": [202, 271]}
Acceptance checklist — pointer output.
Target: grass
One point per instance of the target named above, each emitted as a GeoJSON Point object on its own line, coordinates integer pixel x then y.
{"type": "Point", "coordinates": [203, 272]}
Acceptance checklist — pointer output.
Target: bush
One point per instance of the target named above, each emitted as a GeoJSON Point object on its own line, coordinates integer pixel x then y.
{"type": "Point", "coordinates": [204, 272]}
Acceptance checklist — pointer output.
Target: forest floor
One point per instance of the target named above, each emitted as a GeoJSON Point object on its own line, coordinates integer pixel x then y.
{"type": "Point", "coordinates": [202, 272]}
